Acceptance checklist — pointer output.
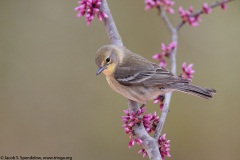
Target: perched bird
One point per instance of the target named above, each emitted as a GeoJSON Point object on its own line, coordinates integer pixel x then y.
{"type": "Point", "coordinates": [140, 80]}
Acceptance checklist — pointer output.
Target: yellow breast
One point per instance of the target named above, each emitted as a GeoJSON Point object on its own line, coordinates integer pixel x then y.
{"type": "Point", "coordinates": [110, 69]}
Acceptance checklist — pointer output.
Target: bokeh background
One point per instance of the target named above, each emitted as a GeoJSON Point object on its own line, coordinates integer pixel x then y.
{"type": "Point", "coordinates": [52, 103]}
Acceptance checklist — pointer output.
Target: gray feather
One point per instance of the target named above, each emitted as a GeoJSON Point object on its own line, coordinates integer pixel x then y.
{"type": "Point", "coordinates": [136, 70]}
{"type": "Point", "coordinates": [194, 90]}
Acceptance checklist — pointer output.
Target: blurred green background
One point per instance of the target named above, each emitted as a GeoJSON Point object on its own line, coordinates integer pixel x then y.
{"type": "Point", "coordinates": [52, 103]}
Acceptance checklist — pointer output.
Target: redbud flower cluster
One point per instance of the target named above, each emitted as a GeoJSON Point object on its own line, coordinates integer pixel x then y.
{"type": "Point", "coordinates": [90, 8]}
{"type": "Point", "coordinates": [194, 19]}
{"type": "Point", "coordinates": [187, 71]}
{"type": "Point", "coordinates": [149, 121]}
{"type": "Point", "coordinates": [165, 4]}
{"type": "Point", "coordinates": [164, 147]}
{"type": "Point", "coordinates": [206, 9]}
{"type": "Point", "coordinates": [130, 119]}
{"type": "Point", "coordinates": [186, 16]}
{"type": "Point", "coordinates": [166, 51]}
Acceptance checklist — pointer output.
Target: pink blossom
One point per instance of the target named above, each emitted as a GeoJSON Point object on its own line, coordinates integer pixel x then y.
{"type": "Point", "coordinates": [90, 8]}
{"type": "Point", "coordinates": [127, 130]}
{"type": "Point", "coordinates": [159, 99]}
{"type": "Point", "coordinates": [143, 151]}
{"type": "Point", "coordinates": [166, 51]}
{"type": "Point", "coordinates": [157, 56]}
{"type": "Point", "coordinates": [187, 71]}
{"type": "Point", "coordinates": [139, 141]}
{"type": "Point", "coordinates": [206, 9]}
{"type": "Point", "coordinates": [186, 16]}
{"type": "Point", "coordinates": [163, 63]}
{"type": "Point", "coordinates": [164, 146]}
{"type": "Point", "coordinates": [143, 110]}
{"type": "Point", "coordinates": [150, 121]}
{"type": "Point", "coordinates": [161, 106]}
{"type": "Point", "coordinates": [144, 154]}
{"type": "Point", "coordinates": [224, 6]}
{"type": "Point", "coordinates": [130, 119]}
{"type": "Point", "coordinates": [165, 4]}
{"type": "Point", "coordinates": [131, 143]}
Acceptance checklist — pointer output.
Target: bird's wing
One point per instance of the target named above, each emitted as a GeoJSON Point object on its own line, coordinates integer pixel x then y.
{"type": "Point", "coordinates": [136, 70]}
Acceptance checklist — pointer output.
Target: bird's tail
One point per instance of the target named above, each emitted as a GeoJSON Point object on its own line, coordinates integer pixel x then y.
{"type": "Point", "coordinates": [194, 90]}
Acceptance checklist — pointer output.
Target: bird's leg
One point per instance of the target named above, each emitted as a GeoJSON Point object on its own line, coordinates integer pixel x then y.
{"type": "Point", "coordinates": [143, 105]}
{"type": "Point", "coordinates": [154, 125]}
{"type": "Point", "coordinates": [162, 97]}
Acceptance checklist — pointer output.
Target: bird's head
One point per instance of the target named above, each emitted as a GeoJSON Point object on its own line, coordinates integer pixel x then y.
{"type": "Point", "coordinates": [107, 59]}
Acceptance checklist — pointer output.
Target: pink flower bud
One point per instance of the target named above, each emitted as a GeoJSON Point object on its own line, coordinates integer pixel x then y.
{"type": "Point", "coordinates": [163, 63]}
{"type": "Point", "coordinates": [127, 130]}
{"type": "Point", "coordinates": [143, 109]}
{"type": "Point", "coordinates": [157, 56]}
{"type": "Point", "coordinates": [104, 15]}
{"type": "Point", "coordinates": [186, 16]}
{"type": "Point", "coordinates": [139, 112]}
{"type": "Point", "coordinates": [131, 124]}
{"type": "Point", "coordinates": [164, 146]}
{"type": "Point", "coordinates": [187, 71]}
{"type": "Point", "coordinates": [92, 7]}
{"type": "Point", "coordinates": [161, 106]}
{"type": "Point", "coordinates": [139, 141]}
{"type": "Point", "coordinates": [125, 117]}
{"type": "Point", "coordinates": [100, 17]}
{"type": "Point", "coordinates": [165, 4]}
{"type": "Point", "coordinates": [224, 6]}
{"type": "Point", "coordinates": [126, 111]}
{"type": "Point", "coordinates": [131, 143]}
{"type": "Point", "coordinates": [206, 8]}
{"type": "Point", "coordinates": [144, 154]}
{"type": "Point", "coordinates": [163, 47]}
{"type": "Point", "coordinates": [141, 151]}
{"type": "Point", "coordinates": [155, 101]}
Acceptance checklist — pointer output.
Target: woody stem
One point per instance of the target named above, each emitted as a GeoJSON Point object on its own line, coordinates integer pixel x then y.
{"type": "Point", "coordinates": [149, 143]}
{"type": "Point", "coordinates": [173, 62]}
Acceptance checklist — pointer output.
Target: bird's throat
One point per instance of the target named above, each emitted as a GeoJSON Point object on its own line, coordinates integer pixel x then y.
{"type": "Point", "coordinates": [110, 69]}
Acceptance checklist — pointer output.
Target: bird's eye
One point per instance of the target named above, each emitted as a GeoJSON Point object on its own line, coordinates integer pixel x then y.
{"type": "Point", "coordinates": [108, 60]}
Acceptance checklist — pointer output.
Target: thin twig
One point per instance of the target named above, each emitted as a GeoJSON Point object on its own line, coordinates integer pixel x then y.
{"type": "Point", "coordinates": [149, 143]}
{"type": "Point", "coordinates": [111, 28]}
{"type": "Point", "coordinates": [174, 32]}
{"type": "Point", "coordinates": [166, 20]}
{"type": "Point", "coordinates": [173, 70]}
{"type": "Point", "coordinates": [197, 13]}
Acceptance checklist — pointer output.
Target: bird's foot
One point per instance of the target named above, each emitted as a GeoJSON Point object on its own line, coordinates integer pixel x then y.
{"type": "Point", "coordinates": [143, 105]}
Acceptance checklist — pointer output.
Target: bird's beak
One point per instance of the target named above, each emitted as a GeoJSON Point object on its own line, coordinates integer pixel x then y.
{"type": "Point", "coordinates": [100, 69]}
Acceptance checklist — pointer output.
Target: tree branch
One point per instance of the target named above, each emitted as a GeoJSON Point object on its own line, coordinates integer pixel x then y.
{"type": "Point", "coordinates": [149, 143]}
{"type": "Point", "coordinates": [166, 20]}
{"type": "Point", "coordinates": [111, 28]}
{"type": "Point", "coordinates": [197, 13]}
{"type": "Point", "coordinates": [173, 62]}
{"type": "Point", "coordinates": [174, 32]}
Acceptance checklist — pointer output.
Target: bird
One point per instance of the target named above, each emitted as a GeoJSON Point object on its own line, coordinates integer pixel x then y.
{"type": "Point", "coordinates": [139, 79]}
